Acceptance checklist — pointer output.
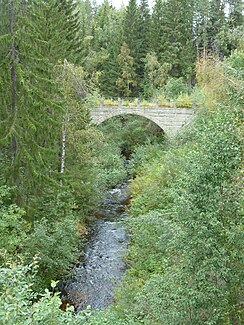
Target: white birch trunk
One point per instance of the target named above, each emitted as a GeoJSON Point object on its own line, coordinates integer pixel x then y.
{"type": "Point", "coordinates": [64, 137]}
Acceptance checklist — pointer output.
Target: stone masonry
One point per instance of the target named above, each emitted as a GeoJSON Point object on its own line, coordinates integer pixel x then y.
{"type": "Point", "coordinates": [170, 120]}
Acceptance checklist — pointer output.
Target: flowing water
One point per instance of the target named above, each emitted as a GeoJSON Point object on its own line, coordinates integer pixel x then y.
{"type": "Point", "coordinates": [97, 276]}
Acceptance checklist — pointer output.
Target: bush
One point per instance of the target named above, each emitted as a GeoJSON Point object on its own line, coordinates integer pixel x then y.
{"type": "Point", "coordinates": [19, 304]}
{"type": "Point", "coordinates": [13, 227]}
{"type": "Point", "coordinates": [184, 100]}
{"type": "Point", "coordinates": [56, 245]}
{"type": "Point", "coordinates": [175, 87]}
{"type": "Point", "coordinates": [197, 97]}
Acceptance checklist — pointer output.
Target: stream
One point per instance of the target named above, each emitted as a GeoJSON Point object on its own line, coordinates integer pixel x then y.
{"type": "Point", "coordinates": [102, 267]}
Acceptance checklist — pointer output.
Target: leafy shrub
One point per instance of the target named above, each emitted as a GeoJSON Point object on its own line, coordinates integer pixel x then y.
{"type": "Point", "coordinates": [197, 97]}
{"type": "Point", "coordinates": [175, 87]}
{"type": "Point", "coordinates": [13, 227]}
{"type": "Point", "coordinates": [184, 100]}
{"type": "Point", "coordinates": [236, 62]}
{"type": "Point", "coordinates": [19, 304]}
{"type": "Point", "coordinates": [151, 189]}
{"type": "Point", "coordinates": [142, 155]}
{"type": "Point", "coordinates": [56, 245]}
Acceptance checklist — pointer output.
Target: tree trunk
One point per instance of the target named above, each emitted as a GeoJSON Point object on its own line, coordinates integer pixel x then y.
{"type": "Point", "coordinates": [64, 136]}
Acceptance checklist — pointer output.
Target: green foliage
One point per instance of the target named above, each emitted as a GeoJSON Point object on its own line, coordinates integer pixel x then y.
{"type": "Point", "coordinates": [108, 37]}
{"type": "Point", "coordinates": [69, 9]}
{"type": "Point", "coordinates": [184, 100]}
{"type": "Point", "coordinates": [81, 174]}
{"type": "Point", "coordinates": [157, 27]}
{"type": "Point", "coordinates": [177, 38]}
{"type": "Point", "coordinates": [143, 155]}
{"type": "Point", "coordinates": [184, 260]}
{"type": "Point", "coordinates": [185, 265]}
{"type": "Point", "coordinates": [131, 132]}
{"type": "Point", "coordinates": [13, 227]}
{"type": "Point", "coordinates": [18, 304]}
{"type": "Point", "coordinates": [156, 74]}
{"type": "Point", "coordinates": [110, 163]}
{"type": "Point", "coordinates": [56, 245]}
{"type": "Point", "coordinates": [206, 197]}
{"type": "Point", "coordinates": [131, 29]}
{"type": "Point", "coordinates": [144, 38]}
{"type": "Point", "coordinates": [151, 189]}
{"type": "Point", "coordinates": [175, 87]}
{"type": "Point", "coordinates": [236, 62]}
{"type": "Point", "coordinates": [197, 97]}
{"type": "Point", "coordinates": [127, 75]}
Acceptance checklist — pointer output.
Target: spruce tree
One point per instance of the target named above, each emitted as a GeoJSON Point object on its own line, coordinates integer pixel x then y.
{"type": "Point", "coordinates": [107, 40]}
{"type": "Point", "coordinates": [201, 16]}
{"type": "Point", "coordinates": [156, 27]}
{"type": "Point", "coordinates": [144, 24]}
{"type": "Point", "coordinates": [177, 38]}
{"type": "Point", "coordinates": [32, 105]}
{"type": "Point", "coordinates": [131, 28]}
{"type": "Point", "coordinates": [216, 23]}
{"type": "Point", "coordinates": [131, 36]}
{"type": "Point", "coordinates": [236, 13]}
{"type": "Point", "coordinates": [69, 9]}
{"type": "Point", "coordinates": [8, 52]}
{"type": "Point", "coordinates": [86, 17]}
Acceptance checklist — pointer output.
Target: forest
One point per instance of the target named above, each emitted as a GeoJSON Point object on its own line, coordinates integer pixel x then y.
{"type": "Point", "coordinates": [58, 59]}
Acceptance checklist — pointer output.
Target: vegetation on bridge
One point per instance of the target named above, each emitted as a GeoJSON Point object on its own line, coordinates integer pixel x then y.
{"type": "Point", "coordinates": [182, 101]}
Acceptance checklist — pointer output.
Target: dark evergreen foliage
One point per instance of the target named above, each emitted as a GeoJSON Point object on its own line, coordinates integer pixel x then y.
{"type": "Point", "coordinates": [72, 29]}
{"type": "Point", "coordinates": [177, 38]}
{"type": "Point", "coordinates": [157, 27]}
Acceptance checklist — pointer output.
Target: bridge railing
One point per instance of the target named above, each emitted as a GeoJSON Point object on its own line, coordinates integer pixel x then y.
{"type": "Point", "coordinates": [139, 103]}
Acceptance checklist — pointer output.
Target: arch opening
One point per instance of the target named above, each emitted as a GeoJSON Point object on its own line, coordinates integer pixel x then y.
{"type": "Point", "coordinates": [131, 131]}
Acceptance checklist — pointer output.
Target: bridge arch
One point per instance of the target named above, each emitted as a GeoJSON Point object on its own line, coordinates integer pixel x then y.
{"type": "Point", "coordinates": [170, 120]}
{"type": "Point", "coordinates": [104, 119]}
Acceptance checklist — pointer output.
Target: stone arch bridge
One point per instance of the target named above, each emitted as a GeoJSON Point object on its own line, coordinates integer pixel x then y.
{"type": "Point", "coordinates": [169, 119]}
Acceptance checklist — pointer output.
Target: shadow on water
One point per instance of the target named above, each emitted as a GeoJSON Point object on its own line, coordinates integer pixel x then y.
{"type": "Point", "coordinates": [99, 273]}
